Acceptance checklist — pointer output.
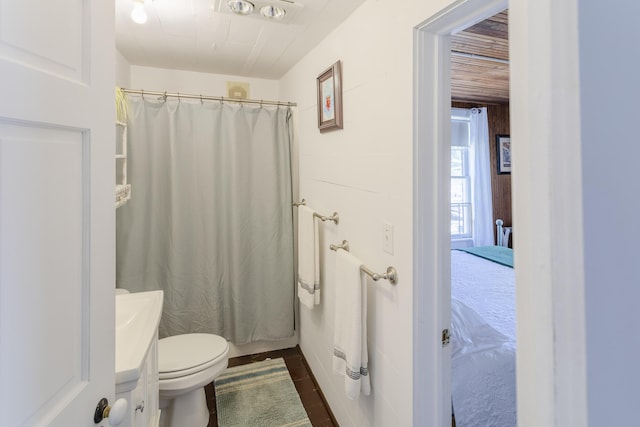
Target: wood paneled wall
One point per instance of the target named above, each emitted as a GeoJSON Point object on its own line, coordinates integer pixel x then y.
{"type": "Point", "coordinates": [498, 117]}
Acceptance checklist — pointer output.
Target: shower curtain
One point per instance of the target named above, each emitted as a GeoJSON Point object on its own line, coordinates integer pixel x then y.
{"type": "Point", "coordinates": [210, 219]}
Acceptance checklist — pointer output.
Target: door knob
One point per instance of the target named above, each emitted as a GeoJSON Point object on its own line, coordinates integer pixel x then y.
{"type": "Point", "coordinates": [115, 413]}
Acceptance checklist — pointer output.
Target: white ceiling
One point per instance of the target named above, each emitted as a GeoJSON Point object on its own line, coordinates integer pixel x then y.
{"type": "Point", "coordinates": [203, 35]}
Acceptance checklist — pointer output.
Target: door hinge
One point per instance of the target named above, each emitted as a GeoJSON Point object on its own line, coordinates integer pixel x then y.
{"type": "Point", "coordinates": [445, 337]}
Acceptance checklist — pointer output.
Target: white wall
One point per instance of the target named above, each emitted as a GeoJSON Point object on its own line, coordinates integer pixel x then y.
{"type": "Point", "coordinates": [610, 151]}
{"type": "Point", "coordinates": [364, 172]}
{"type": "Point", "coordinates": [191, 82]}
{"type": "Point", "coordinates": [575, 156]}
{"type": "Point", "coordinates": [123, 71]}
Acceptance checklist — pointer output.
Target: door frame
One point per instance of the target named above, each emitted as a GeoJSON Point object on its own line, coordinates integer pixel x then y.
{"type": "Point", "coordinates": [545, 108]}
{"type": "Point", "coordinates": [432, 237]}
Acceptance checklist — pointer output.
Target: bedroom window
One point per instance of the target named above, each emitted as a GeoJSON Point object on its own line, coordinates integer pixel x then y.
{"type": "Point", "coordinates": [461, 206]}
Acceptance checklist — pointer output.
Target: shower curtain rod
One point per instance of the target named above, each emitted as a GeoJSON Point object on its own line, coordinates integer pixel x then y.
{"type": "Point", "coordinates": [165, 95]}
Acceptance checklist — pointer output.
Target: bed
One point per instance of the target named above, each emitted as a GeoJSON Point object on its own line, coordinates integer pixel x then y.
{"type": "Point", "coordinates": [483, 337]}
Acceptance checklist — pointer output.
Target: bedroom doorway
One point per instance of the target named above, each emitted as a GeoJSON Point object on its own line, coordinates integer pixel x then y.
{"type": "Point", "coordinates": [432, 243]}
{"type": "Point", "coordinates": [482, 333]}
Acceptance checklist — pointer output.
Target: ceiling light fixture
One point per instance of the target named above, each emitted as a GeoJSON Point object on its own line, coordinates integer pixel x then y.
{"type": "Point", "coordinates": [241, 7]}
{"type": "Point", "coordinates": [273, 12]}
{"type": "Point", "coordinates": [138, 15]}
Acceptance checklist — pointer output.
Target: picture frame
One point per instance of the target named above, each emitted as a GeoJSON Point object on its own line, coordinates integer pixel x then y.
{"type": "Point", "coordinates": [503, 154]}
{"type": "Point", "coordinates": [329, 86]}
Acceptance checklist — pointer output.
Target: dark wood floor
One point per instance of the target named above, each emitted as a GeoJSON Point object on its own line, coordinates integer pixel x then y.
{"type": "Point", "coordinates": [312, 399]}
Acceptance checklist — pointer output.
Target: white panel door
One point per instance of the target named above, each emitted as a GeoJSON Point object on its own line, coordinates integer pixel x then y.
{"type": "Point", "coordinates": [57, 237]}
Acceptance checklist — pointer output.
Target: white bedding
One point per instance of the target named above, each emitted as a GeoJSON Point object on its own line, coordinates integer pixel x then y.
{"type": "Point", "coordinates": [483, 342]}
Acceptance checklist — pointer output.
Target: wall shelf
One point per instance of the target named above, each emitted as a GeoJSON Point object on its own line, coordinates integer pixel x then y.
{"type": "Point", "coordinates": [123, 189]}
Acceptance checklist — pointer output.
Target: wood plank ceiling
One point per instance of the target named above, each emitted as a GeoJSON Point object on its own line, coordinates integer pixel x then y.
{"type": "Point", "coordinates": [474, 75]}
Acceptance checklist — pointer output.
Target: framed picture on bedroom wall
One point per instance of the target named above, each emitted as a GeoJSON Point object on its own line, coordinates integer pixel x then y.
{"type": "Point", "coordinates": [330, 98]}
{"type": "Point", "coordinates": [503, 147]}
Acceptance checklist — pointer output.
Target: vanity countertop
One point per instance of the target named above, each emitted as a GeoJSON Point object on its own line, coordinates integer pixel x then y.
{"type": "Point", "coordinates": [137, 319]}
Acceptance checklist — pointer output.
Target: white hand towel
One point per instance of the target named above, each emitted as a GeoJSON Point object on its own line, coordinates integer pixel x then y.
{"type": "Point", "coordinates": [350, 357]}
{"type": "Point", "coordinates": [308, 258]}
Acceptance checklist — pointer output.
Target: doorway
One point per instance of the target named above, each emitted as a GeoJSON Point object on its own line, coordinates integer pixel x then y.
{"type": "Point", "coordinates": [432, 290]}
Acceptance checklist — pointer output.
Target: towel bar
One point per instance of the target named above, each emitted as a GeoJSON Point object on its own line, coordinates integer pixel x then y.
{"type": "Point", "coordinates": [344, 245]}
{"type": "Point", "coordinates": [335, 218]}
{"type": "Point", "coordinates": [391, 275]}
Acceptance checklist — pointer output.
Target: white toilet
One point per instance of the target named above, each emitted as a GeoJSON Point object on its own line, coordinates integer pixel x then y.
{"type": "Point", "coordinates": [186, 364]}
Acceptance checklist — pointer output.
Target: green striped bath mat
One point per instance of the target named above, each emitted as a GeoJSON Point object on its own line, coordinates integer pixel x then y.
{"type": "Point", "coordinates": [259, 394]}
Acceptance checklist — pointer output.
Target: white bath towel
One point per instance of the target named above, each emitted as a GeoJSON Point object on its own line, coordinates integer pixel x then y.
{"type": "Point", "coordinates": [350, 357]}
{"type": "Point", "coordinates": [308, 258]}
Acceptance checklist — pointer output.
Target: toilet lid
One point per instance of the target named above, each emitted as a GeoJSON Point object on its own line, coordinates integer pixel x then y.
{"type": "Point", "coordinates": [184, 352]}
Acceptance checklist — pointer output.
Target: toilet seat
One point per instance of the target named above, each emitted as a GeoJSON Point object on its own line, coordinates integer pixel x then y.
{"type": "Point", "coordinates": [187, 354]}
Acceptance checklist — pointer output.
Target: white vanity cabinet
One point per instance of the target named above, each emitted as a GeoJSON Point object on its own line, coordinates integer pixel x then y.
{"type": "Point", "coordinates": [143, 409]}
{"type": "Point", "coordinates": [137, 318]}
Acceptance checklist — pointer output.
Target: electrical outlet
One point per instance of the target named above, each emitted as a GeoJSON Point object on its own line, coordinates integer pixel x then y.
{"type": "Point", "coordinates": [387, 238]}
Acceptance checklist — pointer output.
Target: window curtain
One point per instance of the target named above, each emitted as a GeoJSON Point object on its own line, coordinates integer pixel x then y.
{"type": "Point", "coordinates": [210, 219]}
{"type": "Point", "coordinates": [481, 176]}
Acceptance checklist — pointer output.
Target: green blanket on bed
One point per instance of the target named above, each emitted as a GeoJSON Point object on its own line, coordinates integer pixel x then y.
{"type": "Point", "coordinates": [500, 254]}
